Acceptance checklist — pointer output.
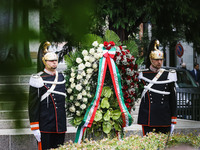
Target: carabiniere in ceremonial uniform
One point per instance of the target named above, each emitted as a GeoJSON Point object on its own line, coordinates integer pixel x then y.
{"type": "Point", "coordinates": [47, 103]}
{"type": "Point", "coordinates": [158, 99]}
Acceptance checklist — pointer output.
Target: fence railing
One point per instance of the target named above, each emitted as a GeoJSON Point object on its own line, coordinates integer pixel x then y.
{"type": "Point", "coordinates": [188, 103]}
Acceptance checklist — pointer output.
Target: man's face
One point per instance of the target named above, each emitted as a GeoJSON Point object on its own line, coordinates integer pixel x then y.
{"type": "Point", "coordinates": [51, 64]}
{"type": "Point", "coordinates": [157, 63]}
{"type": "Point", "coordinates": [197, 67]}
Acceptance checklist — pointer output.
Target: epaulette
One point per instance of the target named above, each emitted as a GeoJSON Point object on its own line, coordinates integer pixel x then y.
{"type": "Point", "coordinates": [141, 70]}
{"type": "Point", "coordinates": [172, 70]}
{"type": "Point", "coordinates": [36, 80]}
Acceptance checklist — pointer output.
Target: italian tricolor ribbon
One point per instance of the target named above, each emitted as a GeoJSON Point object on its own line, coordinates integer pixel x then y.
{"type": "Point", "coordinates": [107, 59]}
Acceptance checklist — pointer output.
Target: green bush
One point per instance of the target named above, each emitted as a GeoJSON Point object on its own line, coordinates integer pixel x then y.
{"type": "Point", "coordinates": [151, 142]}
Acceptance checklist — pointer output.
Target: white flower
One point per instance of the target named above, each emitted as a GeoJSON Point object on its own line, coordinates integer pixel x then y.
{"type": "Point", "coordinates": [87, 88]}
{"type": "Point", "coordinates": [78, 60]}
{"type": "Point", "coordinates": [83, 73]}
{"type": "Point", "coordinates": [86, 58]}
{"type": "Point", "coordinates": [101, 45]}
{"type": "Point", "coordinates": [89, 95]}
{"type": "Point", "coordinates": [69, 90]}
{"type": "Point", "coordinates": [79, 96]}
{"type": "Point", "coordinates": [118, 57]}
{"type": "Point", "coordinates": [78, 113]}
{"type": "Point", "coordinates": [94, 66]}
{"type": "Point", "coordinates": [72, 109]}
{"type": "Point", "coordinates": [95, 44]}
{"type": "Point", "coordinates": [96, 56]}
{"type": "Point", "coordinates": [100, 50]}
{"type": "Point", "coordinates": [73, 74]}
{"type": "Point", "coordinates": [79, 77]}
{"type": "Point", "coordinates": [79, 87]}
{"type": "Point", "coordinates": [88, 64]}
{"type": "Point", "coordinates": [89, 71]}
{"type": "Point", "coordinates": [92, 51]}
{"type": "Point", "coordinates": [85, 100]}
{"type": "Point", "coordinates": [85, 82]}
{"type": "Point", "coordinates": [128, 71]}
{"type": "Point", "coordinates": [77, 104]}
{"type": "Point", "coordinates": [92, 59]}
{"type": "Point", "coordinates": [83, 106]}
{"type": "Point", "coordinates": [84, 52]}
{"type": "Point", "coordinates": [84, 92]}
{"type": "Point", "coordinates": [88, 76]}
{"type": "Point", "coordinates": [71, 97]}
{"type": "Point", "coordinates": [81, 66]}
{"type": "Point", "coordinates": [72, 70]}
{"type": "Point", "coordinates": [72, 85]}
{"type": "Point", "coordinates": [100, 55]}
{"type": "Point", "coordinates": [71, 80]}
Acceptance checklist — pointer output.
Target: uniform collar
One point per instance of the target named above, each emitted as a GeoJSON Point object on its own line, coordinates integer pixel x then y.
{"type": "Point", "coordinates": [49, 72]}
{"type": "Point", "coordinates": [153, 69]}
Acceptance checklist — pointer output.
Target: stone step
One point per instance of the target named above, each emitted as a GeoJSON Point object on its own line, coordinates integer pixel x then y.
{"type": "Point", "coordinates": [14, 79]}
{"type": "Point", "coordinates": [15, 87]}
{"type": "Point", "coordinates": [13, 105]}
{"type": "Point", "coordinates": [16, 114]}
{"type": "Point", "coordinates": [18, 123]}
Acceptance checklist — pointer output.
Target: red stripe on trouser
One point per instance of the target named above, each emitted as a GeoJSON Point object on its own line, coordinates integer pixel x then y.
{"type": "Point", "coordinates": [39, 145]}
{"type": "Point", "coordinates": [143, 131]}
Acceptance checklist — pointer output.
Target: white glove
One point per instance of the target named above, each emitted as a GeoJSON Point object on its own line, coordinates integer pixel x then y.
{"type": "Point", "coordinates": [37, 135]}
{"type": "Point", "coordinates": [172, 129]}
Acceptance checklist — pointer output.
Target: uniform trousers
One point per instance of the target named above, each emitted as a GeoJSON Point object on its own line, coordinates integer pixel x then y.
{"type": "Point", "coordinates": [147, 129]}
{"type": "Point", "coordinates": [52, 140]}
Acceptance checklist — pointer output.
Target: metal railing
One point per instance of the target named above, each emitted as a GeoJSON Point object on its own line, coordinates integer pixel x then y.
{"type": "Point", "coordinates": [188, 103]}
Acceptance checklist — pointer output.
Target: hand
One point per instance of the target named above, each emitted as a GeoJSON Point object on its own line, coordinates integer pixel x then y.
{"type": "Point", "coordinates": [37, 135]}
{"type": "Point", "coordinates": [172, 129]}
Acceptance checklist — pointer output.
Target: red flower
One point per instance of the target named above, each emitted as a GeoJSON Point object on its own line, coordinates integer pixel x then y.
{"type": "Point", "coordinates": [105, 43]}
{"type": "Point", "coordinates": [125, 87]}
{"type": "Point", "coordinates": [120, 47]}
{"type": "Point", "coordinates": [123, 53]}
{"type": "Point", "coordinates": [128, 77]}
{"type": "Point", "coordinates": [117, 53]}
{"type": "Point", "coordinates": [112, 43]}
{"type": "Point", "coordinates": [128, 51]}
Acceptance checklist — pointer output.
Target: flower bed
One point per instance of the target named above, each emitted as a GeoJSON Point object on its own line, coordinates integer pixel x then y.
{"type": "Point", "coordinates": [151, 142]}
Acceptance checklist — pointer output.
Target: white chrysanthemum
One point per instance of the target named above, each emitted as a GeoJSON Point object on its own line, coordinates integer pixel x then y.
{"type": "Point", "coordinates": [71, 97]}
{"type": "Point", "coordinates": [128, 81]}
{"type": "Point", "coordinates": [78, 60]}
{"type": "Point", "coordinates": [118, 58]}
{"type": "Point", "coordinates": [83, 106]}
{"type": "Point", "coordinates": [88, 76]}
{"type": "Point", "coordinates": [77, 104]}
{"type": "Point", "coordinates": [129, 56]}
{"type": "Point", "coordinates": [96, 56]}
{"type": "Point", "coordinates": [100, 55]}
{"type": "Point", "coordinates": [72, 109]}
{"type": "Point", "coordinates": [79, 77]}
{"type": "Point", "coordinates": [81, 66]}
{"type": "Point", "coordinates": [95, 44]}
{"type": "Point", "coordinates": [88, 64]}
{"type": "Point", "coordinates": [88, 88]}
{"type": "Point", "coordinates": [92, 51]}
{"type": "Point", "coordinates": [101, 45]}
{"type": "Point", "coordinates": [71, 80]}
{"type": "Point", "coordinates": [128, 71]}
{"type": "Point", "coordinates": [92, 59]}
{"type": "Point", "coordinates": [79, 87]}
{"type": "Point", "coordinates": [89, 71]}
{"type": "Point", "coordinates": [86, 58]}
{"type": "Point", "coordinates": [69, 90]}
{"type": "Point", "coordinates": [72, 69]}
{"type": "Point", "coordinates": [79, 96]}
{"type": "Point", "coordinates": [85, 100]}
{"type": "Point", "coordinates": [78, 113]}
{"type": "Point", "coordinates": [83, 73]}
{"type": "Point", "coordinates": [72, 85]}
{"type": "Point", "coordinates": [100, 50]}
{"type": "Point", "coordinates": [118, 49]}
{"type": "Point", "coordinates": [85, 82]}
{"type": "Point", "coordinates": [84, 92]}
{"type": "Point", "coordinates": [94, 66]}
{"type": "Point", "coordinates": [89, 95]}
{"type": "Point", "coordinates": [73, 74]}
{"type": "Point", "coordinates": [84, 52]}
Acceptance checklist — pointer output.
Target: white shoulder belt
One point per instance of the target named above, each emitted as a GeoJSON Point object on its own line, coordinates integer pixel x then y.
{"type": "Point", "coordinates": [51, 90]}
{"type": "Point", "coordinates": [154, 81]}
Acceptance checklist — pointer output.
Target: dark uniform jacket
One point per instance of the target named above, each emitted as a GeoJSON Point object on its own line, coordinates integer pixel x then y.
{"type": "Point", "coordinates": [157, 109]}
{"type": "Point", "coordinates": [49, 114]}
